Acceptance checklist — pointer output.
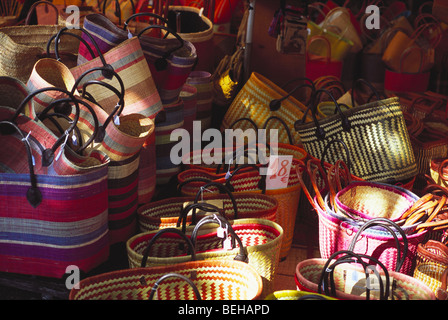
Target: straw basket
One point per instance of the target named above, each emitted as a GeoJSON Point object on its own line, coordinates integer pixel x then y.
{"type": "Point", "coordinates": [214, 280]}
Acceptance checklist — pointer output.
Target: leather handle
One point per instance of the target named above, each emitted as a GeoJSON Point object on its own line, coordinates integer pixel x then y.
{"type": "Point", "coordinates": [174, 275]}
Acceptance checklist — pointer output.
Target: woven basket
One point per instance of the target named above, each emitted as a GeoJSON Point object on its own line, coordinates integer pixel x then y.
{"type": "Point", "coordinates": [336, 234]}
{"type": "Point", "coordinates": [253, 101]}
{"type": "Point", "coordinates": [308, 273]}
{"type": "Point", "coordinates": [369, 200]}
{"type": "Point", "coordinates": [215, 280]}
{"type": "Point", "coordinates": [261, 239]}
{"type": "Point", "coordinates": [22, 46]}
{"type": "Point", "coordinates": [165, 213]}
{"type": "Point", "coordinates": [430, 274]}
{"type": "Point", "coordinates": [249, 181]}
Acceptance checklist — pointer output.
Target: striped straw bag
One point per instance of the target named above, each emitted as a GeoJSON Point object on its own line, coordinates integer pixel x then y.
{"type": "Point", "coordinates": [49, 222]}
{"type": "Point", "coordinates": [258, 242]}
{"type": "Point", "coordinates": [251, 181]}
{"type": "Point", "coordinates": [167, 212]}
{"type": "Point", "coordinates": [344, 278]}
{"type": "Point", "coordinates": [356, 127]}
{"type": "Point", "coordinates": [140, 95]}
{"type": "Point", "coordinates": [213, 280]}
{"type": "Point", "coordinates": [260, 99]}
{"type": "Point", "coordinates": [122, 142]}
{"type": "Point", "coordinates": [169, 60]}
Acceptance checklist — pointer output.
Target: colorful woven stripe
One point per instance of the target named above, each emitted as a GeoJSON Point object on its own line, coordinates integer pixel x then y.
{"type": "Point", "coordinates": [69, 226]}
{"type": "Point", "coordinates": [215, 280]}
{"type": "Point", "coordinates": [252, 102]}
{"type": "Point", "coordinates": [165, 213]}
{"type": "Point", "coordinates": [188, 95]}
{"type": "Point", "coordinates": [127, 59]}
{"type": "Point", "coordinates": [201, 80]}
{"type": "Point", "coordinates": [378, 141]}
{"type": "Point", "coordinates": [173, 119]}
{"type": "Point", "coordinates": [261, 238]}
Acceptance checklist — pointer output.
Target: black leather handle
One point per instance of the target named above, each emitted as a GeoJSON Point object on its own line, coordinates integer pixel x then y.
{"type": "Point", "coordinates": [388, 225]}
{"type": "Point", "coordinates": [187, 240]}
{"type": "Point", "coordinates": [33, 194]}
{"type": "Point", "coordinates": [242, 255]}
{"type": "Point", "coordinates": [174, 275]}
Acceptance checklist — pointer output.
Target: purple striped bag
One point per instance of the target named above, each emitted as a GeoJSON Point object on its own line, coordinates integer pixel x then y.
{"type": "Point", "coordinates": [203, 83]}
{"type": "Point", "coordinates": [189, 97]}
{"type": "Point", "coordinates": [49, 222]}
{"type": "Point", "coordinates": [141, 97]}
{"type": "Point", "coordinates": [173, 119]}
{"type": "Point", "coordinates": [170, 60]}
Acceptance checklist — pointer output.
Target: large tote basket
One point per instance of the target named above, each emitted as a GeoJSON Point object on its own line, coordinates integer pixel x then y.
{"type": "Point", "coordinates": [214, 280]}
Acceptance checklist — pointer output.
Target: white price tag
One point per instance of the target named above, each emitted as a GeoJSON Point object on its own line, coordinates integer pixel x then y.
{"type": "Point", "coordinates": [278, 172]}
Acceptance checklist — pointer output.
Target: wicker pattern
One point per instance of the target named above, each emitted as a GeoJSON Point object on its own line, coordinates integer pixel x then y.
{"type": "Point", "coordinates": [261, 238]}
{"type": "Point", "coordinates": [252, 101]}
{"type": "Point", "coordinates": [165, 213]}
{"type": "Point", "coordinates": [22, 46]}
{"type": "Point", "coordinates": [430, 274]}
{"type": "Point", "coordinates": [370, 200]}
{"type": "Point", "coordinates": [43, 237]}
{"type": "Point", "coordinates": [215, 280]}
{"type": "Point", "coordinates": [288, 198]}
{"type": "Point", "coordinates": [308, 273]}
{"type": "Point", "coordinates": [377, 126]}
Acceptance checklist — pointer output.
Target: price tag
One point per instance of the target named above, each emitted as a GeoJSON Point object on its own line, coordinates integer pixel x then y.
{"type": "Point", "coordinates": [278, 171]}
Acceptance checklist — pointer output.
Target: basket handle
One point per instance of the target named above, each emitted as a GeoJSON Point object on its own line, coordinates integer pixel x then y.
{"type": "Point", "coordinates": [146, 14]}
{"type": "Point", "coordinates": [162, 63]}
{"type": "Point", "coordinates": [242, 255]}
{"type": "Point", "coordinates": [191, 248]}
{"type": "Point", "coordinates": [426, 250]}
{"type": "Point", "coordinates": [51, 39]}
{"type": "Point", "coordinates": [120, 104]}
{"type": "Point", "coordinates": [48, 154]}
{"type": "Point", "coordinates": [174, 275]}
{"type": "Point", "coordinates": [117, 9]}
{"type": "Point", "coordinates": [288, 131]}
{"type": "Point", "coordinates": [326, 279]}
{"type": "Point", "coordinates": [275, 104]}
{"type": "Point", "coordinates": [440, 169]}
{"type": "Point", "coordinates": [222, 188]}
{"type": "Point", "coordinates": [197, 205]}
{"type": "Point", "coordinates": [388, 225]}
{"type": "Point", "coordinates": [33, 8]}
{"type": "Point", "coordinates": [33, 194]}
{"type": "Point", "coordinates": [371, 87]}
{"type": "Point", "coordinates": [107, 72]}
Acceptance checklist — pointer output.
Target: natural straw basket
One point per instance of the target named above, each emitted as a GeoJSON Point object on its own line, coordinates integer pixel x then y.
{"type": "Point", "coordinates": [215, 280]}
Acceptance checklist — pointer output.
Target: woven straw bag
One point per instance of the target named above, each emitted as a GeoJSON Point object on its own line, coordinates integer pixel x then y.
{"type": "Point", "coordinates": [121, 142]}
{"type": "Point", "coordinates": [310, 274]}
{"type": "Point", "coordinates": [356, 127]}
{"type": "Point", "coordinates": [251, 181]}
{"type": "Point", "coordinates": [170, 60]}
{"type": "Point", "coordinates": [22, 46]}
{"type": "Point", "coordinates": [258, 242]}
{"type": "Point", "coordinates": [40, 238]}
{"type": "Point", "coordinates": [431, 262]}
{"type": "Point", "coordinates": [140, 97]}
{"type": "Point", "coordinates": [361, 200]}
{"type": "Point", "coordinates": [214, 280]}
{"type": "Point", "coordinates": [253, 101]}
{"type": "Point", "coordinates": [166, 213]}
